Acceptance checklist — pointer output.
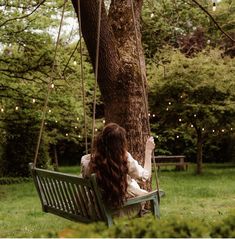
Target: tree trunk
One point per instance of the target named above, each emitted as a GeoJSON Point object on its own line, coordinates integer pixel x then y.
{"type": "Point", "coordinates": [199, 151]}
{"type": "Point", "coordinates": [119, 74]}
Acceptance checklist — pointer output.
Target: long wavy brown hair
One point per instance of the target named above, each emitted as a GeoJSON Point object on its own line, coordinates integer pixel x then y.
{"type": "Point", "coordinates": [109, 162]}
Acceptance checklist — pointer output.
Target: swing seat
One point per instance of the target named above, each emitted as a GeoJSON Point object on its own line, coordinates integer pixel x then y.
{"type": "Point", "coordinates": [79, 199]}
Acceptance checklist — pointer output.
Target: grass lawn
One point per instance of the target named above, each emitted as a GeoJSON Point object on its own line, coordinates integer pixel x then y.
{"type": "Point", "coordinates": [209, 198]}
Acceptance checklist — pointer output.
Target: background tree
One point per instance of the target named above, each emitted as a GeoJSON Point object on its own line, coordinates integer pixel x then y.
{"type": "Point", "coordinates": [194, 93]}
{"type": "Point", "coordinates": [27, 51]}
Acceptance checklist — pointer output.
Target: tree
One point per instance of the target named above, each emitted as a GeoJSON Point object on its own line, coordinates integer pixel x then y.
{"type": "Point", "coordinates": [194, 93]}
{"type": "Point", "coordinates": [121, 74]}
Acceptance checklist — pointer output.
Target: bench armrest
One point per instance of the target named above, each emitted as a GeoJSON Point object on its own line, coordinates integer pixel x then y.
{"type": "Point", "coordinates": [147, 197]}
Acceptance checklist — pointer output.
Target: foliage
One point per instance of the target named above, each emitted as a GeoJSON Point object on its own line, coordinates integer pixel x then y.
{"type": "Point", "coordinates": [7, 180]}
{"type": "Point", "coordinates": [191, 95]}
{"type": "Point", "coordinates": [27, 71]}
{"type": "Point", "coordinates": [20, 147]}
{"type": "Point", "coordinates": [225, 229]}
{"type": "Point", "coordinates": [183, 25]}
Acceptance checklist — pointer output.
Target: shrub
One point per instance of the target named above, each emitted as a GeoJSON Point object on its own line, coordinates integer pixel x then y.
{"type": "Point", "coordinates": [7, 180]}
{"type": "Point", "coordinates": [225, 229]}
{"type": "Point", "coordinates": [20, 148]}
{"type": "Point", "coordinates": [146, 226]}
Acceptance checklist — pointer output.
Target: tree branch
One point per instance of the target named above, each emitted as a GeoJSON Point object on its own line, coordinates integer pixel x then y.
{"type": "Point", "coordinates": [24, 16]}
{"type": "Point", "coordinates": [212, 18]}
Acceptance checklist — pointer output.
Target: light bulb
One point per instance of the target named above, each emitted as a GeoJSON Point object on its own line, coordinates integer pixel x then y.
{"type": "Point", "coordinates": [214, 7]}
{"type": "Point", "coordinates": [2, 110]}
{"type": "Point", "coordinates": [34, 100]}
{"type": "Point", "coordinates": [152, 15]}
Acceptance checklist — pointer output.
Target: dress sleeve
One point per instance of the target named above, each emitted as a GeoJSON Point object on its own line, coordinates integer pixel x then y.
{"type": "Point", "coordinates": [135, 170]}
{"type": "Point", "coordinates": [85, 165]}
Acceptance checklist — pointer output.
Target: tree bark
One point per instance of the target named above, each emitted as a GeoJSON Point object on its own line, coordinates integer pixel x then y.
{"type": "Point", "coordinates": [199, 151]}
{"type": "Point", "coordinates": [120, 77]}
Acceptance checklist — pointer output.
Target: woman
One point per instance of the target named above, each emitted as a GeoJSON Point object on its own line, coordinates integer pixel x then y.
{"type": "Point", "coordinates": [116, 170]}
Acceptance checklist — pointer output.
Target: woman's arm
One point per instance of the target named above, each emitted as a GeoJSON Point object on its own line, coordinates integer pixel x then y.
{"type": "Point", "coordinates": [136, 171]}
{"type": "Point", "coordinates": [150, 145]}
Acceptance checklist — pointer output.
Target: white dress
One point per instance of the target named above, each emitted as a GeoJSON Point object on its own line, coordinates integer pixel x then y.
{"type": "Point", "coordinates": [135, 173]}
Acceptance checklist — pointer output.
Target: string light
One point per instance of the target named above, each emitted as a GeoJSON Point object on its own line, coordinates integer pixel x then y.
{"type": "Point", "coordinates": [231, 129]}
{"type": "Point", "coordinates": [17, 108]}
{"type": "Point", "coordinates": [222, 130]}
{"type": "Point", "coordinates": [191, 126]}
{"type": "Point", "coordinates": [66, 134]}
{"type": "Point", "coordinates": [103, 121]}
{"type": "Point", "coordinates": [49, 111]}
{"type": "Point", "coordinates": [152, 15]}
{"type": "Point", "coordinates": [154, 115]}
{"type": "Point", "coordinates": [149, 114]}
{"type": "Point", "coordinates": [167, 109]}
{"type": "Point", "coordinates": [177, 136]}
{"type": "Point", "coordinates": [2, 110]}
{"type": "Point", "coordinates": [195, 115]}
{"type": "Point", "coordinates": [34, 101]}
{"type": "Point", "coordinates": [180, 120]}
{"type": "Point", "coordinates": [213, 131]}
{"type": "Point", "coordinates": [79, 136]}
{"type": "Point", "coordinates": [52, 86]}
{"type": "Point", "coordinates": [203, 129]}
{"type": "Point", "coordinates": [45, 123]}
{"type": "Point", "coordinates": [214, 6]}
{"type": "Point", "coordinates": [75, 127]}
{"type": "Point", "coordinates": [77, 118]}
{"type": "Point", "coordinates": [169, 103]}
{"type": "Point", "coordinates": [96, 129]}
{"type": "Point", "coordinates": [56, 121]}
{"type": "Point", "coordinates": [74, 63]}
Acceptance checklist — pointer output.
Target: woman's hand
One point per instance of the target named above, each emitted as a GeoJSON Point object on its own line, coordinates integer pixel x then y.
{"type": "Point", "coordinates": [150, 145]}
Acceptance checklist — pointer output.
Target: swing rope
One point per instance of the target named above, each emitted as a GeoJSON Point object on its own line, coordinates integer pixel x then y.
{"type": "Point", "coordinates": [145, 95]}
{"type": "Point", "coordinates": [82, 76]}
{"type": "Point", "coordinates": [49, 88]}
{"type": "Point", "coordinates": [96, 73]}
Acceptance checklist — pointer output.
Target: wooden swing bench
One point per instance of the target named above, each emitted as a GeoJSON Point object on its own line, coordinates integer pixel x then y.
{"type": "Point", "coordinates": [79, 199]}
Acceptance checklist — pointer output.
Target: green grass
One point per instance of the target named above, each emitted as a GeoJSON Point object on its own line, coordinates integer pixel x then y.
{"type": "Point", "coordinates": [209, 198]}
